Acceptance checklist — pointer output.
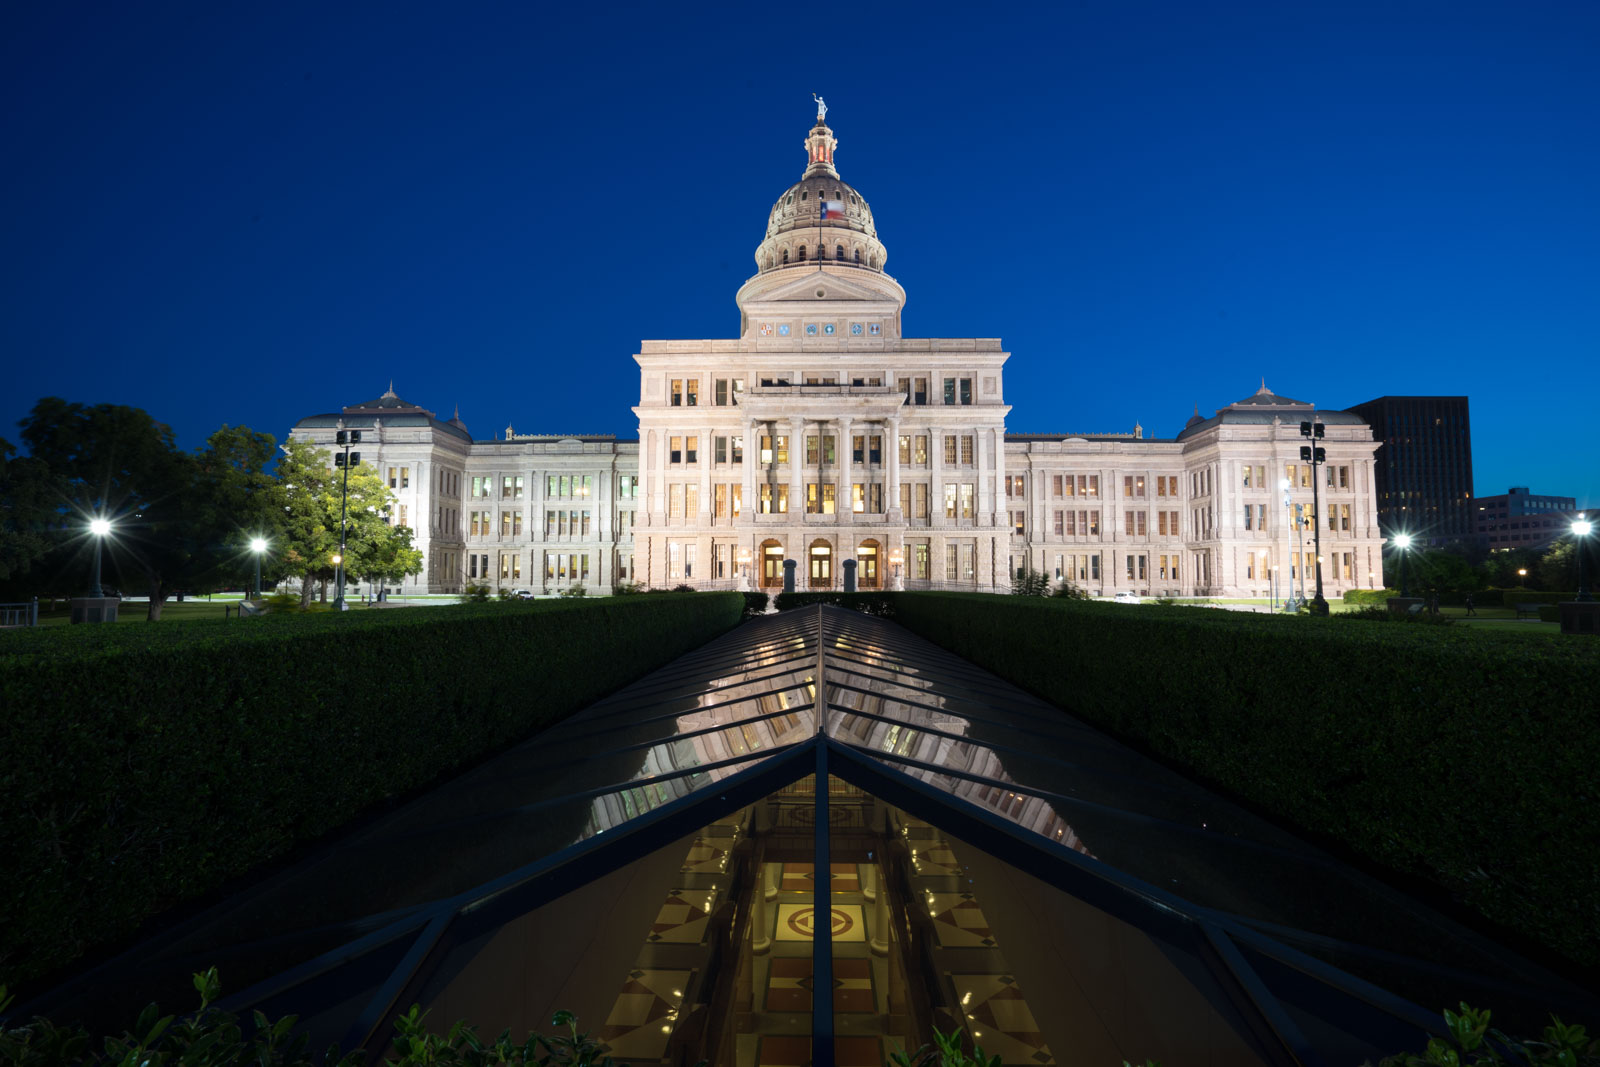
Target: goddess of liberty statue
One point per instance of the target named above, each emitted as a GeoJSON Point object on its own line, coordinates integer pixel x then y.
{"type": "Point", "coordinates": [822, 107]}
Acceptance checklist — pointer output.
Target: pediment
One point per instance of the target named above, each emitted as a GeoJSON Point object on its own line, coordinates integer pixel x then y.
{"type": "Point", "coordinates": [834, 289]}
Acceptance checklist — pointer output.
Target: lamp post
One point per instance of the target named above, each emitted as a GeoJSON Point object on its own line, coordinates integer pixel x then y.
{"type": "Point", "coordinates": [1315, 455]}
{"type": "Point", "coordinates": [345, 459]}
{"type": "Point", "coordinates": [257, 545]}
{"type": "Point", "coordinates": [1522, 577]}
{"type": "Point", "coordinates": [896, 557]}
{"type": "Point", "coordinates": [1403, 543]}
{"type": "Point", "coordinates": [1580, 530]}
{"type": "Point", "coordinates": [1288, 547]}
{"type": "Point", "coordinates": [744, 569]}
{"type": "Point", "coordinates": [99, 528]}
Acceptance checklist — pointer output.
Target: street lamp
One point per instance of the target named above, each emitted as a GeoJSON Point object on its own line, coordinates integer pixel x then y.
{"type": "Point", "coordinates": [258, 545]}
{"type": "Point", "coordinates": [744, 568]}
{"type": "Point", "coordinates": [1288, 548]}
{"type": "Point", "coordinates": [896, 557]}
{"type": "Point", "coordinates": [1403, 543]}
{"type": "Point", "coordinates": [100, 528]}
{"type": "Point", "coordinates": [1580, 530]}
{"type": "Point", "coordinates": [1522, 577]}
{"type": "Point", "coordinates": [345, 459]}
{"type": "Point", "coordinates": [1315, 455]}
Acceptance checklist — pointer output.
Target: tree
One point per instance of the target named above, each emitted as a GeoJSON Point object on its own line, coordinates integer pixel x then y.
{"type": "Point", "coordinates": [1029, 582]}
{"type": "Point", "coordinates": [1558, 567]}
{"type": "Point", "coordinates": [29, 515]}
{"type": "Point", "coordinates": [119, 463]}
{"type": "Point", "coordinates": [309, 491]}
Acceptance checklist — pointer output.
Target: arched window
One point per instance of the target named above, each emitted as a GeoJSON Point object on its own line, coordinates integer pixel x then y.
{"type": "Point", "coordinates": [858, 257]}
{"type": "Point", "coordinates": [791, 199]}
{"type": "Point", "coordinates": [802, 194]}
{"type": "Point", "coordinates": [786, 255]}
{"type": "Point", "coordinates": [771, 565]}
{"type": "Point", "coordinates": [838, 251]}
{"type": "Point", "coordinates": [873, 263]}
{"type": "Point", "coordinates": [802, 255]}
{"type": "Point", "coordinates": [867, 565]}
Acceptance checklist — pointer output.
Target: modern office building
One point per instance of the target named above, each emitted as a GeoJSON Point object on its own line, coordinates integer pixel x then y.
{"type": "Point", "coordinates": [824, 436]}
{"type": "Point", "coordinates": [1424, 466]}
{"type": "Point", "coordinates": [1522, 519]}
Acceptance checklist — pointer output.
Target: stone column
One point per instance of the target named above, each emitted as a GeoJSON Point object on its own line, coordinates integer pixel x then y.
{"type": "Point", "coordinates": [749, 488]}
{"type": "Point", "coordinates": [891, 486]}
{"type": "Point", "coordinates": [797, 455]}
{"type": "Point", "coordinates": [935, 476]}
{"type": "Point", "coordinates": [846, 513]}
{"type": "Point", "coordinates": [769, 881]}
{"type": "Point", "coordinates": [869, 885]}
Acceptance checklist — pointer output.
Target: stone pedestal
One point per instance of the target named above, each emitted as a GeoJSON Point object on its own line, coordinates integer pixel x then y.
{"type": "Point", "coordinates": [94, 609]}
{"type": "Point", "coordinates": [252, 607]}
{"type": "Point", "coordinates": [1405, 605]}
{"type": "Point", "coordinates": [1580, 617]}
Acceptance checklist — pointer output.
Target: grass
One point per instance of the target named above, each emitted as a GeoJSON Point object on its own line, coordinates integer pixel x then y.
{"type": "Point", "coordinates": [59, 612]}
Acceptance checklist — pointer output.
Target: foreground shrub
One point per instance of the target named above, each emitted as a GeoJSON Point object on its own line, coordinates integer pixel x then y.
{"type": "Point", "coordinates": [213, 1038]}
{"type": "Point", "coordinates": [140, 766]}
{"type": "Point", "coordinates": [1460, 755]}
{"type": "Point", "coordinates": [1376, 613]}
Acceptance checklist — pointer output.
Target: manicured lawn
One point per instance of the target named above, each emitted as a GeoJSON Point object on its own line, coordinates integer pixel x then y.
{"type": "Point", "coordinates": [133, 611]}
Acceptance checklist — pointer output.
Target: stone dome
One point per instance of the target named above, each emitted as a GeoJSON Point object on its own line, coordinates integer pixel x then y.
{"type": "Point", "coordinates": [820, 217]}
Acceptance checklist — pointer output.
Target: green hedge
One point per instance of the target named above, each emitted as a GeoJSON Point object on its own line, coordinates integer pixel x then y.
{"type": "Point", "coordinates": [1369, 596]}
{"type": "Point", "coordinates": [143, 765]}
{"type": "Point", "coordinates": [1458, 755]}
{"type": "Point", "coordinates": [874, 603]}
{"type": "Point", "coordinates": [1514, 597]}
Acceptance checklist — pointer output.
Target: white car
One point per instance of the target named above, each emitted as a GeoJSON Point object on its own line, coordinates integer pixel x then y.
{"type": "Point", "coordinates": [523, 594]}
{"type": "Point", "coordinates": [1126, 598]}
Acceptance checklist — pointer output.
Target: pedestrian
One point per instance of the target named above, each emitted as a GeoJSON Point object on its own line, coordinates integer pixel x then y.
{"type": "Point", "coordinates": [1433, 603]}
{"type": "Point", "coordinates": [1469, 605]}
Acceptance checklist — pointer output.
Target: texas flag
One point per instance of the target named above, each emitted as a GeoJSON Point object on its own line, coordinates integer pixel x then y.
{"type": "Point", "coordinates": [833, 209]}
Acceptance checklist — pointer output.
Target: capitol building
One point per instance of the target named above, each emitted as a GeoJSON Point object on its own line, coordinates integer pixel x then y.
{"type": "Point", "coordinates": [822, 435]}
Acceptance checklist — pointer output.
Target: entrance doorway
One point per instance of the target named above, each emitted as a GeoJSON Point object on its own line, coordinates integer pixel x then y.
{"type": "Point", "coordinates": [821, 565]}
{"type": "Point", "coordinates": [867, 565]}
{"type": "Point", "coordinates": [771, 565]}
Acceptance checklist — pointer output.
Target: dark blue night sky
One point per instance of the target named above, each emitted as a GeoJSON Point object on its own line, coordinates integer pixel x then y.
{"type": "Point", "coordinates": [252, 213]}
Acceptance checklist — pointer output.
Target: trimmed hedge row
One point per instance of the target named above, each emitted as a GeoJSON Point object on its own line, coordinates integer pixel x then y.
{"type": "Point", "coordinates": [874, 603]}
{"type": "Point", "coordinates": [141, 766]}
{"type": "Point", "coordinates": [1465, 757]}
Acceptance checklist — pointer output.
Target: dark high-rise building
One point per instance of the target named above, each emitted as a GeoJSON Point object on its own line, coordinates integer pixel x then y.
{"type": "Point", "coordinates": [1424, 466]}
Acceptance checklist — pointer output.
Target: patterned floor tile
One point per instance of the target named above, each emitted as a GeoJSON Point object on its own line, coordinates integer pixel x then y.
{"type": "Point", "coordinates": [795, 922]}
{"type": "Point", "coordinates": [790, 985]}
{"type": "Point", "coordinates": [998, 1018]}
{"type": "Point", "coordinates": [682, 919]}
{"type": "Point", "coordinates": [958, 922]}
{"type": "Point", "coordinates": [642, 1020]}
{"type": "Point", "coordinates": [799, 878]}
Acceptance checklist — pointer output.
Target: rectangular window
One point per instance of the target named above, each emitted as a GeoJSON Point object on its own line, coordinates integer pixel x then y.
{"type": "Point", "coordinates": [511, 487]}
{"type": "Point", "coordinates": [967, 497]}
{"type": "Point", "coordinates": [1055, 485]}
{"type": "Point", "coordinates": [1127, 485]}
{"type": "Point", "coordinates": [692, 392]}
{"type": "Point", "coordinates": [966, 390]}
{"type": "Point", "coordinates": [738, 448]}
{"type": "Point", "coordinates": [738, 498]}
{"type": "Point", "coordinates": [950, 501]}
{"type": "Point", "coordinates": [691, 449]}
{"type": "Point", "coordinates": [813, 450]}
{"type": "Point", "coordinates": [1249, 513]}
{"type": "Point", "coordinates": [903, 385]}
{"type": "Point", "coordinates": [1061, 528]}
{"type": "Point", "coordinates": [1344, 518]}
{"type": "Point", "coordinates": [720, 395]}
{"type": "Point", "coordinates": [905, 448]}
{"type": "Point", "coordinates": [922, 450]}
{"type": "Point", "coordinates": [858, 498]}
{"type": "Point", "coordinates": [628, 486]}
{"type": "Point", "coordinates": [950, 391]}
{"type": "Point", "coordinates": [922, 501]}
{"type": "Point", "coordinates": [691, 500]}
{"type": "Point", "coordinates": [404, 520]}
{"type": "Point", "coordinates": [875, 449]}
{"type": "Point", "coordinates": [1094, 485]}
{"type": "Point", "coordinates": [920, 393]}
{"type": "Point", "coordinates": [858, 448]}
{"type": "Point", "coordinates": [719, 450]}
{"type": "Point", "coordinates": [481, 485]}
{"type": "Point", "coordinates": [393, 481]}
{"type": "Point", "coordinates": [949, 450]}
{"type": "Point", "coordinates": [675, 500]}
{"type": "Point", "coordinates": [1344, 477]}
{"type": "Point", "coordinates": [1017, 522]}
{"type": "Point", "coordinates": [674, 450]}
{"type": "Point", "coordinates": [719, 501]}
{"type": "Point", "coordinates": [966, 450]}
{"type": "Point", "coordinates": [1248, 484]}
{"type": "Point", "coordinates": [920, 562]}
{"type": "Point", "coordinates": [677, 392]}
{"type": "Point", "coordinates": [1092, 523]}
{"type": "Point", "coordinates": [952, 567]}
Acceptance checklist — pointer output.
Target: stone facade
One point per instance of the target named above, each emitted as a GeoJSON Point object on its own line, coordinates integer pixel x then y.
{"type": "Point", "coordinates": [823, 435]}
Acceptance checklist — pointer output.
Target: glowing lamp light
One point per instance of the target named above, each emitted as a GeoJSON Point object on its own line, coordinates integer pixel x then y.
{"type": "Point", "coordinates": [1582, 527]}
{"type": "Point", "coordinates": [100, 527]}
{"type": "Point", "coordinates": [258, 544]}
{"type": "Point", "coordinates": [1402, 540]}
{"type": "Point", "coordinates": [337, 559]}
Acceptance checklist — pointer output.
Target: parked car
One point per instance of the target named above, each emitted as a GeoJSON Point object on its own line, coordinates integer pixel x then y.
{"type": "Point", "coordinates": [523, 594]}
{"type": "Point", "coordinates": [1126, 597]}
